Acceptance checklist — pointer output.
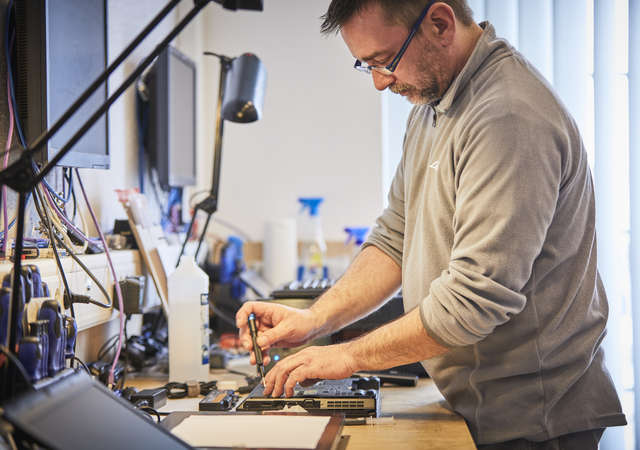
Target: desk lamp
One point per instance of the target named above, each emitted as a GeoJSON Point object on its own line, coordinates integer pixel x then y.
{"type": "Point", "coordinates": [21, 177]}
{"type": "Point", "coordinates": [240, 99]}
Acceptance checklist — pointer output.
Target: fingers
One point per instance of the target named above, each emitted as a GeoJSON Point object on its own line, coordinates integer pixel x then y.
{"type": "Point", "coordinates": [266, 359]}
{"type": "Point", "coordinates": [309, 382]}
{"type": "Point", "coordinates": [243, 313]}
{"type": "Point", "coordinates": [268, 317]}
{"type": "Point", "coordinates": [271, 337]}
{"type": "Point", "coordinates": [242, 316]}
{"type": "Point", "coordinates": [276, 377]}
{"type": "Point", "coordinates": [297, 375]}
{"type": "Point", "coordinates": [285, 374]}
{"type": "Point", "coordinates": [247, 342]}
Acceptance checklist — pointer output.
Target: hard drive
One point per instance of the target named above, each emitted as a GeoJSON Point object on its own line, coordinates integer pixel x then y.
{"type": "Point", "coordinates": [354, 397]}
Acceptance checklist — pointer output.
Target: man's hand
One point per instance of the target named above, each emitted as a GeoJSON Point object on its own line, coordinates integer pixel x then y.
{"type": "Point", "coordinates": [278, 326]}
{"type": "Point", "coordinates": [402, 341]}
{"type": "Point", "coordinates": [332, 362]}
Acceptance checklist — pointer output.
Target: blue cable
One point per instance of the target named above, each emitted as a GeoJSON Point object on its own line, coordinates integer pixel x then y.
{"type": "Point", "coordinates": [14, 220]}
{"type": "Point", "coordinates": [51, 190]}
{"type": "Point", "coordinates": [9, 227]}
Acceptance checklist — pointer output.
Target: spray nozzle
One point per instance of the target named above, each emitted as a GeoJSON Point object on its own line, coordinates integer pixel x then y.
{"type": "Point", "coordinates": [311, 203]}
{"type": "Point", "coordinates": [357, 234]}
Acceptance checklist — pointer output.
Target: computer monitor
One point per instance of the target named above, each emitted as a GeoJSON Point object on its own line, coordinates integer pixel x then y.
{"type": "Point", "coordinates": [61, 48]}
{"type": "Point", "coordinates": [171, 132]}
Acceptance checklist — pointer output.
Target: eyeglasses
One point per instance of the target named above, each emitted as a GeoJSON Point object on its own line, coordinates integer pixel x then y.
{"type": "Point", "coordinates": [389, 69]}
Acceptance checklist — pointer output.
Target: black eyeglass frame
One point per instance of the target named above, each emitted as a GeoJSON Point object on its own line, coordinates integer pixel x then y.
{"type": "Point", "coordinates": [391, 67]}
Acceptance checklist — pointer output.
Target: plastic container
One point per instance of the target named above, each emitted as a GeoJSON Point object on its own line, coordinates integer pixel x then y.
{"type": "Point", "coordinates": [355, 238]}
{"type": "Point", "coordinates": [280, 255]}
{"type": "Point", "coordinates": [188, 288]}
{"type": "Point", "coordinates": [311, 243]}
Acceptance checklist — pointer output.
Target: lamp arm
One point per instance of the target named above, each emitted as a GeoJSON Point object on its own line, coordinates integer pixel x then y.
{"type": "Point", "coordinates": [217, 150]}
{"type": "Point", "coordinates": [210, 204]}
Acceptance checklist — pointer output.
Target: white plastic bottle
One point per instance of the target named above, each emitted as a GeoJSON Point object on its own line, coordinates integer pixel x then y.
{"type": "Point", "coordinates": [313, 249]}
{"type": "Point", "coordinates": [188, 288]}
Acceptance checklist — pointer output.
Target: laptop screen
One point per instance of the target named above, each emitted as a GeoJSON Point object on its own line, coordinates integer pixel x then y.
{"type": "Point", "coordinates": [77, 412]}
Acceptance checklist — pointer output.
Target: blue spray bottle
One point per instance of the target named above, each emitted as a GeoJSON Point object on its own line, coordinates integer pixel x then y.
{"type": "Point", "coordinates": [312, 246]}
{"type": "Point", "coordinates": [355, 239]}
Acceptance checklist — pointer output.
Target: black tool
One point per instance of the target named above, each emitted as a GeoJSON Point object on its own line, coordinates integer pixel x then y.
{"type": "Point", "coordinates": [50, 310]}
{"type": "Point", "coordinates": [37, 289]}
{"type": "Point", "coordinates": [100, 371]}
{"type": "Point", "coordinates": [5, 298]}
{"type": "Point", "coordinates": [256, 348]}
{"type": "Point", "coordinates": [6, 282]}
{"type": "Point", "coordinates": [31, 355]}
{"type": "Point", "coordinates": [132, 289]}
{"type": "Point", "coordinates": [70, 334]}
{"type": "Point", "coordinates": [217, 400]}
{"type": "Point", "coordinates": [40, 329]}
{"type": "Point", "coordinates": [27, 279]}
{"type": "Point", "coordinates": [391, 377]}
{"type": "Point", "coordinates": [153, 398]}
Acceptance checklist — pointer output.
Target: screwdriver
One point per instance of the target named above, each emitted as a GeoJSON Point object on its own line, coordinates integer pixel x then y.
{"type": "Point", "coordinates": [256, 349]}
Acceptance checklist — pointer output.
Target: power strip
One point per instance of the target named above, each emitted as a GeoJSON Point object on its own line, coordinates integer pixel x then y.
{"type": "Point", "coordinates": [126, 263]}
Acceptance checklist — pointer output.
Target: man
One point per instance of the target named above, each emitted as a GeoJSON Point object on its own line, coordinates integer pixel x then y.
{"type": "Point", "coordinates": [489, 231]}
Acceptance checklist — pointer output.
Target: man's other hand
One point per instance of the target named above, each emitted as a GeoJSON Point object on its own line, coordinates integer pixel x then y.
{"type": "Point", "coordinates": [331, 362]}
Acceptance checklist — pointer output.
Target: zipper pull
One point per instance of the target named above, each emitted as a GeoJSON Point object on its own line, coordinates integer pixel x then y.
{"type": "Point", "coordinates": [435, 118]}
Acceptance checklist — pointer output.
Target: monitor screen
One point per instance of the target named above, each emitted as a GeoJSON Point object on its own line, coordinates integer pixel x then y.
{"type": "Point", "coordinates": [171, 133]}
{"type": "Point", "coordinates": [62, 49]}
{"type": "Point", "coordinates": [182, 139]}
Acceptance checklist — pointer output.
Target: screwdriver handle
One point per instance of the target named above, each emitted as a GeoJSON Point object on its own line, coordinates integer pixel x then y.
{"type": "Point", "coordinates": [253, 329]}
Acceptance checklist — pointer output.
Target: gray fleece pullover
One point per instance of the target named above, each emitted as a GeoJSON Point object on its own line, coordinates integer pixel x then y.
{"type": "Point", "coordinates": [491, 216]}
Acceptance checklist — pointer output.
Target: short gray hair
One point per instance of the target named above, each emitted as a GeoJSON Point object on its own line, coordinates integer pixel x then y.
{"type": "Point", "coordinates": [402, 12]}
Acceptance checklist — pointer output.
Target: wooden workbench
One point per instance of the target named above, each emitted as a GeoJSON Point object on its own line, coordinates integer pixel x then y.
{"type": "Point", "coordinates": [421, 420]}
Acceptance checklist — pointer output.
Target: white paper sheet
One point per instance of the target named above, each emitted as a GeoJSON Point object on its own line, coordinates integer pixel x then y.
{"type": "Point", "coordinates": [252, 431]}
{"type": "Point", "coordinates": [181, 404]}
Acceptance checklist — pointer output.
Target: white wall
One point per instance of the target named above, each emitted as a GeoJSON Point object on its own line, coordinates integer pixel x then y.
{"type": "Point", "coordinates": [321, 129]}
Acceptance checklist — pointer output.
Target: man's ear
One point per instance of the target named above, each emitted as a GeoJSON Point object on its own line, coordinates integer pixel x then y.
{"type": "Point", "coordinates": [440, 24]}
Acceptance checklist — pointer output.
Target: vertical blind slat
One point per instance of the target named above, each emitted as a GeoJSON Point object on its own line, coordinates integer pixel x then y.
{"type": "Point", "coordinates": [573, 63]}
{"type": "Point", "coordinates": [634, 188]}
{"type": "Point", "coordinates": [612, 189]}
{"type": "Point", "coordinates": [536, 34]}
{"type": "Point", "coordinates": [503, 14]}
{"type": "Point", "coordinates": [478, 8]}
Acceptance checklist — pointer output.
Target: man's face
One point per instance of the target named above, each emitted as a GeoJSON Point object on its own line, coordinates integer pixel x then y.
{"type": "Point", "coordinates": [421, 75]}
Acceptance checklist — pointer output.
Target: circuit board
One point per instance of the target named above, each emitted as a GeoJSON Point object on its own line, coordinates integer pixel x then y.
{"type": "Point", "coordinates": [353, 397]}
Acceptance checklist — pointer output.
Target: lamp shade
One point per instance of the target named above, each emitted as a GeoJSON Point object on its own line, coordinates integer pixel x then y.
{"type": "Point", "coordinates": [241, 4]}
{"type": "Point", "coordinates": [244, 90]}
